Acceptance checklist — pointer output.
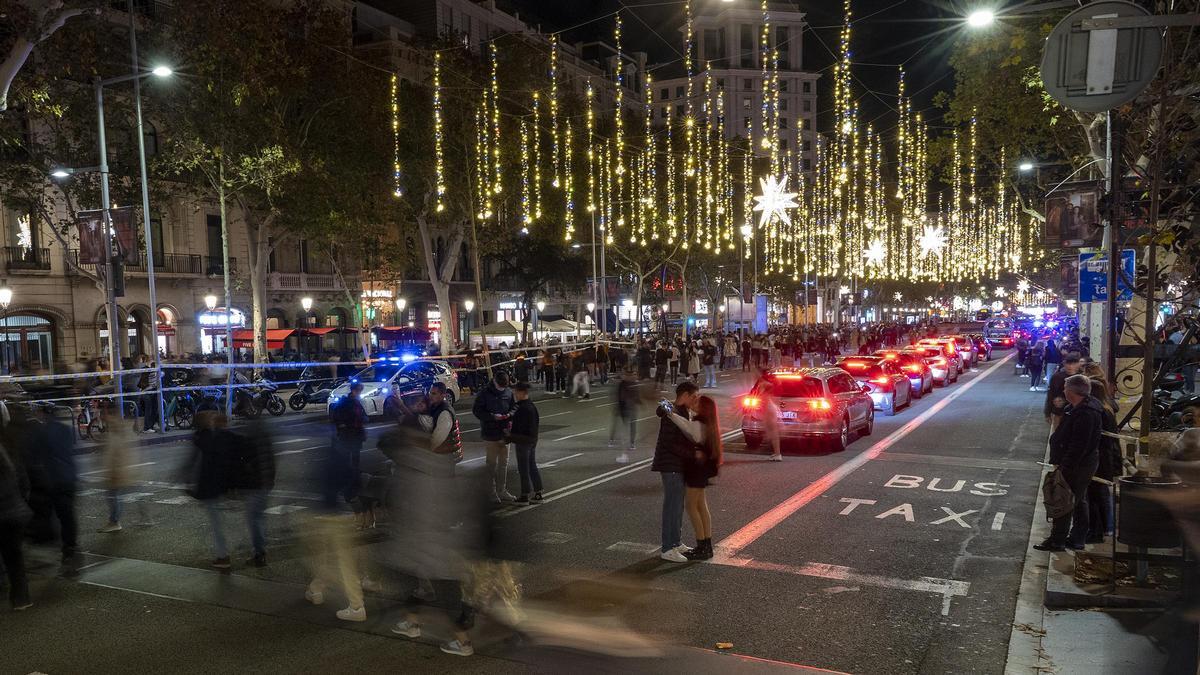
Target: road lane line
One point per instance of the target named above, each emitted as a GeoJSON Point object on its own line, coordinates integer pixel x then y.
{"type": "Point", "coordinates": [582, 433]}
{"type": "Point", "coordinates": [998, 521]}
{"type": "Point", "coordinates": [294, 440]}
{"type": "Point", "coordinates": [131, 466]}
{"type": "Point", "coordinates": [560, 459]}
{"type": "Point", "coordinates": [584, 484]}
{"type": "Point", "coordinates": [289, 452]}
{"type": "Point", "coordinates": [130, 590]}
{"type": "Point", "coordinates": [739, 540]}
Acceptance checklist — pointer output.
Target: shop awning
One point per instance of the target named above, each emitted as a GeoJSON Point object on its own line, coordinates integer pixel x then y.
{"type": "Point", "coordinates": [326, 331]}
{"type": "Point", "coordinates": [401, 333]}
{"type": "Point", "coordinates": [244, 337]}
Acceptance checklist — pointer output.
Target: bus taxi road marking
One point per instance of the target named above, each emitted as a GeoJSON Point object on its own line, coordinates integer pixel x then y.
{"type": "Point", "coordinates": [947, 588]}
{"type": "Point", "coordinates": [732, 545]}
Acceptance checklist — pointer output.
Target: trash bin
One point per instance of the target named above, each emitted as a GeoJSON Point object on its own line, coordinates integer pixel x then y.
{"type": "Point", "coordinates": [1143, 521]}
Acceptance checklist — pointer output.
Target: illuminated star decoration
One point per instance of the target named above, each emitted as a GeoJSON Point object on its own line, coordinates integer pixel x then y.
{"type": "Point", "coordinates": [898, 296]}
{"type": "Point", "coordinates": [1022, 286]}
{"type": "Point", "coordinates": [1000, 291]}
{"type": "Point", "coordinates": [774, 201]}
{"type": "Point", "coordinates": [875, 253]}
{"type": "Point", "coordinates": [933, 240]}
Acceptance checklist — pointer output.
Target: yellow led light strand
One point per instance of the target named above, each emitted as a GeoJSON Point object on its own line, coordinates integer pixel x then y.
{"type": "Point", "coordinates": [589, 99]}
{"type": "Point", "coordinates": [619, 128]}
{"type": "Point", "coordinates": [569, 179]}
{"type": "Point", "coordinates": [397, 188]}
{"type": "Point", "coordinates": [650, 178]}
{"type": "Point", "coordinates": [526, 212]}
{"type": "Point", "coordinates": [535, 140]}
{"type": "Point", "coordinates": [439, 165]}
{"type": "Point", "coordinates": [497, 181]}
{"type": "Point", "coordinates": [554, 125]}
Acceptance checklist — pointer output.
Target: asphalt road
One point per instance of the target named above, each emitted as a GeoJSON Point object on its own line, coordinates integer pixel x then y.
{"type": "Point", "coordinates": [900, 555]}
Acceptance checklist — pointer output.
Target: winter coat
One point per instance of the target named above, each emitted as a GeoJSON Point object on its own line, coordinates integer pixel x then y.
{"type": "Point", "coordinates": [489, 403]}
{"type": "Point", "coordinates": [212, 462]}
{"type": "Point", "coordinates": [1075, 442]}
{"type": "Point", "coordinates": [14, 490]}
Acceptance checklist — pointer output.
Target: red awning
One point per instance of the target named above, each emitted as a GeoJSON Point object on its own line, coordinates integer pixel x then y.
{"type": "Point", "coordinates": [244, 337]}
{"type": "Point", "coordinates": [326, 331]}
{"type": "Point", "coordinates": [401, 334]}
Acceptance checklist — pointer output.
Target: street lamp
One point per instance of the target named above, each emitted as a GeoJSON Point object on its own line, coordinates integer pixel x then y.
{"type": "Point", "coordinates": [6, 295]}
{"type": "Point", "coordinates": [1025, 166]}
{"type": "Point", "coordinates": [162, 71]}
{"type": "Point", "coordinates": [981, 18]}
{"type": "Point", "coordinates": [210, 301]}
{"type": "Point", "coordinates": [306, 303]}
{"type": "Point", "coordinates": [468, 305]}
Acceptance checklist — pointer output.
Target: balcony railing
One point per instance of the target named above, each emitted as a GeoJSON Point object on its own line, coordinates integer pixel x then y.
{"type": "Point", "coordinates": [170, 263]}
{"type": "Point", "coordinates": [215, 265]}
{"type": "Point", "coordinates": [298, 281]}
{"type": "Point", "coordinates": [21, 258]}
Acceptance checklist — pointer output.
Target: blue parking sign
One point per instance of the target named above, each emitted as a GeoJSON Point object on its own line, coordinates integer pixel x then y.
{"type": "Point", "coordinates": [1093, 276]}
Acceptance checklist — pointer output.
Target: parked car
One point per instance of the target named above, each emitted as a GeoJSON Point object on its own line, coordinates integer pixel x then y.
{"type": "Point", "coordinates": [940, 367]}
{"type": "Point", "coordinates": [378, 378]}
{"type": "Point", "coordinates": [890, 389]}
{"type": "Point", "coordinates": [815, 404]}
{"type": "Point", "coordinates": [920, 376]}
{"type": "Point", "coordinates": [982, 346]}
{"type": "Point", "coordinates": [949, 350]}
{"type": "Point", "coordinates": [966, 347]}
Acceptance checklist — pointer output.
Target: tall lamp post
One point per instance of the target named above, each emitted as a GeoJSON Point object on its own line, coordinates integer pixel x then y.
{"type": "Point", "coordinates": [6, 295]}
{"type": "Point", "coordinates": [540, 305]}
{"type": "Point", "coordinates": [468, 307]}
{"type": "Point", "coordinates": [306, 304]}
{"type": "Point", "coordinates": [401, 303]}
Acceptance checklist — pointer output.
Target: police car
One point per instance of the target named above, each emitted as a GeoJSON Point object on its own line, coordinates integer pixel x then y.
{"type": "Point", "coordinates": [404, 372]}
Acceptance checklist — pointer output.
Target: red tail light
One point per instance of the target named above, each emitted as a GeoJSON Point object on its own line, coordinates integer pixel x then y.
{"type": "Point", "coordinates": [913, 369]}
{"type": "Point", "coordinates": [820, 405]}
{"type": "Point", "coordinates": [751, 403]}
{"type": "Point", "coordinates": [889, 356]}
{"type": "Point", "coordinates": [881, 380]}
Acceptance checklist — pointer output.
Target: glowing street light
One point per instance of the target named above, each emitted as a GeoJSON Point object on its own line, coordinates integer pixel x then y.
{"type": "Point", "coordinates": [306, 303]}
{"type": "Point", "coordinates": [591, 307]}
{"type": "Point", "coordinates": [210, 301]}
{"type": "Point", "coordinates": [1025, 166]}
{"type": "Point", "coordinates": [401, 303]}
{"type": "Point", "coordinates": [981, 18]}
{"type": "Point", "coordinates": [468, 305]}
{"type": "Point", "coordinates": [162, 71]}
{"type": "Point", "coordinates": [541, 305]}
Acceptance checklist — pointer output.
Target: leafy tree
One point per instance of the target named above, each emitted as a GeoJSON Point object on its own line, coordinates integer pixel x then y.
{"type": "Point", "coordinates": [31, 22]}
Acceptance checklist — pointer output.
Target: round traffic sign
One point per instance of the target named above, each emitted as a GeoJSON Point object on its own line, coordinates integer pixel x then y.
{"type": "Point", "coordinates": [1098, 70]}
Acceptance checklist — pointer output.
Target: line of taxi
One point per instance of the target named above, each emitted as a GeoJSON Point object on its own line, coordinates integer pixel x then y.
{"type": "Point", "coordinates": [832, 405]}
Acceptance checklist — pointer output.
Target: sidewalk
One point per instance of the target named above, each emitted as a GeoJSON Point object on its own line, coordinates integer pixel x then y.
{"type": "Point", "coordinates": [1088, 639]}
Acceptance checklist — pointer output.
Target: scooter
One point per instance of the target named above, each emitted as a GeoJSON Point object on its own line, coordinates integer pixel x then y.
{"type": "Point", "coordinates": [312, 390]}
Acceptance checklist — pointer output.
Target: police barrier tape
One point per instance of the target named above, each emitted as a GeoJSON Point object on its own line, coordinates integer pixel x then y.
{"type": "Point", "coordinates": [219, 367]}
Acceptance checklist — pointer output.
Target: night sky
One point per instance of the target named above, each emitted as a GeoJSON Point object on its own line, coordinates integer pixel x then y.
{"type": "Point", "coordinates": [886, 33]}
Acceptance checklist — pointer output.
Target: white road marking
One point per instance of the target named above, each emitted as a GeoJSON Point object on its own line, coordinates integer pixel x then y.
{"type": "Point", "coordinates": [129, 497]}
{"type": "Point", "coordinates": [956, 517]}
{"type": "Point", "coordinates": [582, 433]}
{"type": "Point", "coordinates": [472, 460]}
{"type": "Point", "coordinates": [131, 466]}
{"type": "Point", "coordinates": [998, 521]}
{"type": "Point", "coordinates": [947, 588]}
{"type": "Point", "coordinates": [289, 452]}
{"type": "Point", "coordinates": [182, 499]}
{"type": "Point", "coordinates": [633, 547]}
{"type": "Point", "coordinates": [551, 537]}
{"type": "Point", "coordinates": [739, 540]}
{"type": "Point", "coordinates": [293, 440]}
{"type": "Point", "coordinates": [560, 459]}
{"type": "Point", "coordinates": [581, 485]}
{"type": "Point", "coordinates": [130, 590]}
{"type": "Point", "coordinates": [284, 509]}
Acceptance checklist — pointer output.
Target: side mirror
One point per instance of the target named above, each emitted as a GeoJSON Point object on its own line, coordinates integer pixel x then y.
{"type": "Point", "coordinates": [866, 388]}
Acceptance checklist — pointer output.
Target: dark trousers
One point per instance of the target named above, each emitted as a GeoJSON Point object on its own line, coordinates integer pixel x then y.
{"type": "Point", "coordinates": [448, 593]}
{"type": "Point", "coordinates": [548, 374]}
{"type": "Point", "coordinates": [1098, 512]}
{"type": "Point", "coordinates": [1072, 529]}
{"type": "Point", "coordinates": [531, 478]}
{"type": "Point", "coordinates": [660, 373]}
{"type": "Point", "coordinates": [722, 364]}
{"type": "Point", "coordinates": [746, 360]}
{"type": "Point", "coordinates": [11, 535]}
{"type": "Point", "coordinates": [63, 502]}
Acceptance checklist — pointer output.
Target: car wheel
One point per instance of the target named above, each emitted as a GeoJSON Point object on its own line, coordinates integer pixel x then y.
{"type": "Point", "coordinates": [450, 397]}
{"type": "Point", "coordinates": [890, 408]}
{"type": "Point", "coordinates": [869, 427]}
{"type": "Point", "coordinates": [752, 440]}
{"type": "Point", "coordinates": [842, 440]}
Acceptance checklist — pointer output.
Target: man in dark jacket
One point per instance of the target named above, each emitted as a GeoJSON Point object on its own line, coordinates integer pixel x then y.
{"type": "Point", "coordinates": [494, 408]}
{"type": "Point", "coordinates": [254, 477]}
{"type": "Point", "coordinates": [1055, 400]}
{"type": "Point", "coordinates": [670, 452]}
{"type": "Point", "coordinates": [62, 476]}
{"type": "Point", "coordinates": [349, 433]}
{"type": "Point", "coordinates": [1074, 449]}
{"type": "Point", "coordinates": [524, 435]}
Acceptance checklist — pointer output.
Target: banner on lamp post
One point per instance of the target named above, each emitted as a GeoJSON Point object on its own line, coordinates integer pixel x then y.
{"type": "Point", "coordinates": [90, 227]}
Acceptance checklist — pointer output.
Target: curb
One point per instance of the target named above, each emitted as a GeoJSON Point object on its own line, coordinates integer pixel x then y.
{"type": "Point", "coordinates": [1025, 655]}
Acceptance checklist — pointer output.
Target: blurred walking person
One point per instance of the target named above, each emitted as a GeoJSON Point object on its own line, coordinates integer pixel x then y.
{"type": "Point", "coordinates": [117, 465]}
{"type": "Point", "coordinates": [210, 464]}
{"type": "Point", "coordinates": [625, 413]}
{"type": "Point", "coordinates": [254, 477]}
{"type": "Point", "coordinates": [62, 479]}
{"type": "Point", "coordinates": [14, 515]}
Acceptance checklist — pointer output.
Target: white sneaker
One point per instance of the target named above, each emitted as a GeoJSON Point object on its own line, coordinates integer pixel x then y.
{"type": "Point", "coordinates": [458, 648]}
{"type": "Point", "coordinates": [408, 629]}
{"type": "Point", "coordinates": [508, 496]}
{"type": "Point", "coordinates": [352, 614]}
{"type": "Point", "coordinates": [673, 556]}
{"type": "Point", "coordinates": [110, 528]}
{"type": "Point", "coordinates": [683, 548]}
{"type": "Point", "coordinates": [1033, 389]}
{"type": "Point", "coordinates": [623, 458]}
{"type": "Point", "coordinates": [315, 597]}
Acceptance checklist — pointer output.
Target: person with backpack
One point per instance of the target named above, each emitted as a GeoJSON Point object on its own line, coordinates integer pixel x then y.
{"type": "Point", "coordinates": [349, 433]}
{"type": "Point", "coordinates": [493, 408]}
{"type": "Point", "coordinates": [1074, 450]}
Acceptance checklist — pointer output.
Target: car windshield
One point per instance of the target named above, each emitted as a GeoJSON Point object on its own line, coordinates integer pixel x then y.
{"type": "Point", "coordinates": [380, 372]}
{"type": "Point", "coordinates": [864, 371]}
{"type": "Point", "coordinates": [796, 386]}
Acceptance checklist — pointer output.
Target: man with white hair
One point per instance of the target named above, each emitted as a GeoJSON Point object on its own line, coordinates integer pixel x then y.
{"type": "Point", "coordinates": [1074, 449]}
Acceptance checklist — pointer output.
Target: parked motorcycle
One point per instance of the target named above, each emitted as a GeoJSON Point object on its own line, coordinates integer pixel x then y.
{"type": "Point", "coordinates": [312, 390]}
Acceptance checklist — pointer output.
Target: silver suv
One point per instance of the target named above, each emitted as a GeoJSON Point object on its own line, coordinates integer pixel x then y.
{"type": "Point", "coordinates": [821, 404]}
